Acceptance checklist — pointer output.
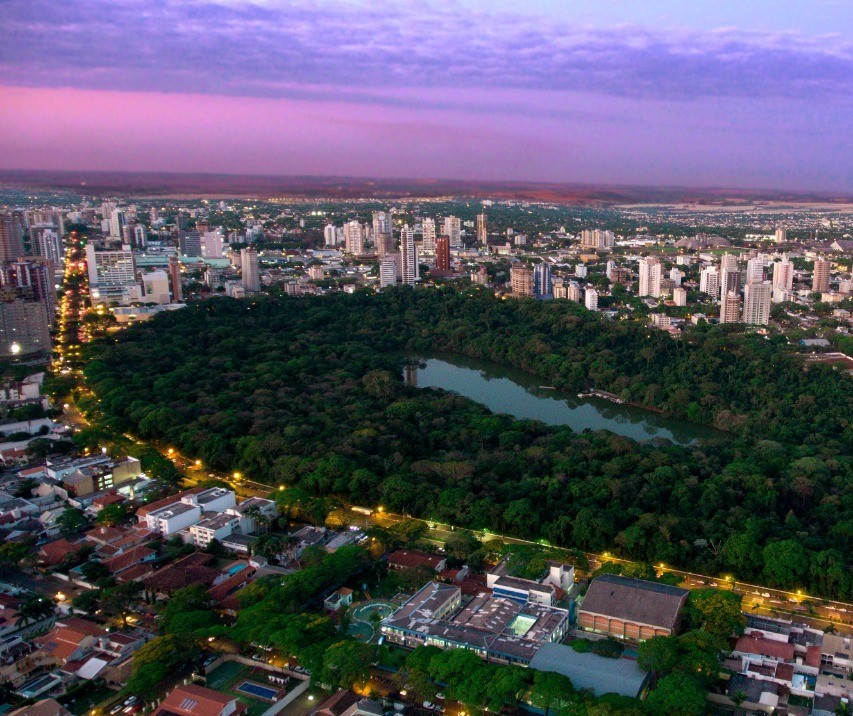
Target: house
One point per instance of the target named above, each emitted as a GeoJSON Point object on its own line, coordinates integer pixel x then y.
{"type": "Point", "coordinates": [70, 640]}
{"type": "Point", "coordinates": [190, 570]}
{"type": "Point", "coordinates": [195, 700]}
{"type": "Point", "coordinates": [347, 703]}
{"type": "Point", "coordinates": [45, 707]}
{"type": "Point", "coordinates": [632, 609]}
{"type": "Point", "coordinates": [52, 553]}
{"type": "Point", "coordinates": [412, 559]}
{"type": "Point", "coordinates": [337, 600]}
{"type": "Point", "coordinates": [254, 513]}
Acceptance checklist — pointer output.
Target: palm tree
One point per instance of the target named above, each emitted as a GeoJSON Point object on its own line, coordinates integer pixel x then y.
{"type": "Point", "coordinates": [33, 610]}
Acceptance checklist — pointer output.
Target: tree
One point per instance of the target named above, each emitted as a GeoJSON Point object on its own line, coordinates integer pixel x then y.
{"type": "Point", "coordinates": [94, 570]}
{"type": "Point", "coordinates": [71, 521]}
{"type": "Point", "coordinates": [717, 612]}
{"type": "Point", "coordinates": [677, 695]}
{"type": "Point", "coordinates": [34, 609]}
{"type": "Point", "coordinates": [13, 553]}
{"type": "Point", "coordinates": [347, 664]}
{"type": "Point", "coordinates": [156, 660]}
{"type": "Point", "coordinates": [658, 655]}
{"type": "Point", "coordinates": [87, 601]}
{"type": "Point", "coordinates": [270, 546]}
{"type": "Point", "coordinates": [785, 563]}
{"type": "Point", "coordinates": [112, 515]}
{"type": "Point", "coordinates": [550, 689]}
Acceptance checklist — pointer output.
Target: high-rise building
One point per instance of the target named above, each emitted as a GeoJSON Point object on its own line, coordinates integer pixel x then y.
{"type": "Point", "coordinates": [354, 238]}
{"type": "Point", "coordinates": [24, 324]}
{"type": "Point", "coordinates": [482, 232]}
{"type": "Point", "coordinates": [329, 235]}
{"type": "Point", "coordinates": [679, 296]}
{"type": "Point", "coordinates": [117, 223]}
{"type": "Point", "coordinates": [728, 263]}
{"type": "Point", "coordinates": [189, 243]}
{"type": "Point", "coordinates": [175, 279]}
{"type": "Point", "coordinates": [250, 270]}
{"type": "Point", "coordinates": [650, 270]}
{"type": "Point", "coordinates": [783, 274]}
{"type": "Point", "coordinates": [676, 276]}
{"type": "Point", "coordinates": [442, 253]}
{"type": "Point", "coordinates": [452, 228]}
{"type": "Point", "coordinates": [46, 242]}
{"type": "Point", "coordinates": [575, 293]}
{"type": "Point", "coordinates": [428, 231]}
{"type": "Point", "coordinates": [730, 281]}
{"type": "Point", "coordinates": [140, 236]}
{"type": "Point", "coordinates": [110, 268]}
{"type": "Point", "coordinates": [590, 299]}
{"type": "Point", "coordinates": [33, 279]}
{"type": "Point", "coordinates": [709, 281]}
{"type": "Point", "coordinates": [384, 245]}
{"type": "Point", "coordinates": [409, 256]}
{"type": "Point", "coordinates": [756, 270]}
{"type": "Point", "coordinates": [212, 243]}
{"type": "Point", "coordinates": [820, 277]}
{"type": "Point", "coordinates": [389, 269]}
{"type": "Point", "coordinates": [155, 287]}
{"type": "Point", "coordinates": [521, 280]}
{"type": "Point", "coordinates": [781, 236]}
{"type": "Point", "coordinates": [383, 223]}
{"type": "Point", "coordinates": [756, 303]}
{"type": "Point", "coordinates": [597, 239]}
{"type": "Point", "coordinates": [730, 308]}
{"type": "Point", "coordinates": [11, 237]}
{"type": "Point", "coordinates": [542, 279]}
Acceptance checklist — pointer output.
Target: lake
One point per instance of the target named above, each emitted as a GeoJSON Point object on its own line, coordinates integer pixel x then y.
{"type": "Point", "coordinates": [504, 390]}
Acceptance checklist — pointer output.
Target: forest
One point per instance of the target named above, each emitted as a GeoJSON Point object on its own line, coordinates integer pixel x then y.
{"type": "Point", "coordinates": [308, 392]}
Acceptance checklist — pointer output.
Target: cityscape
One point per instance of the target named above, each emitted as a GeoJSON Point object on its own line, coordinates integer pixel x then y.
{"type": "Point", "coordinates": [340, 379]}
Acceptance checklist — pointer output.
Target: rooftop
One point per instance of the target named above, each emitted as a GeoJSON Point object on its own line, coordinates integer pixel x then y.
{"type": "Point", "coordinates": [635, 600]}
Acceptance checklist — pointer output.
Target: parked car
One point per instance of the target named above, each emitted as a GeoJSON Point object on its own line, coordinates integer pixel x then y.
{"type": "Point", "coordinates": [115, 709]}
{"type": "Point", "coordinates": [130, 700]}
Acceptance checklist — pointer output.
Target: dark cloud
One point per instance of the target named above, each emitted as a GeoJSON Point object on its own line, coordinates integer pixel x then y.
{"type": "Point", "coordinates": [287, 49]}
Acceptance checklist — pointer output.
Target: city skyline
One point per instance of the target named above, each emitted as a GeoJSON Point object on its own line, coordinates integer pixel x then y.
{"type": "Point", "coordinates": [717, 95]}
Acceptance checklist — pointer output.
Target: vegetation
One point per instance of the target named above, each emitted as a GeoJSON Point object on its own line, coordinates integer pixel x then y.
{"type": "Point", "coordinates": [307, 392]}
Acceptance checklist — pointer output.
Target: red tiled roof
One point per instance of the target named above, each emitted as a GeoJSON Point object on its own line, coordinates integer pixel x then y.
{"type": "Point", "coordinates": [409, 559]}
{"type": "Point", "coordinates": [785, 672]}
{"type": "Point", "coordinates": [128, 559]}
{"type": "Point", "coordinates": [131, 574]}
{"type": "Point", "coordinates": [765, 647]}
{"type": "Point", "coordinates": [105, 500]}
{"type": "Point", "coordinates": [224, 589]}
{"type": "Point", "coordinates": [194, 700]}
{"type": "Point", "coordinates": [54, 552]}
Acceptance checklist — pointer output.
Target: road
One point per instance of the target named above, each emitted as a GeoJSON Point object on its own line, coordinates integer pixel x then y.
{"type": "Point", "coordinates": [757, 599]}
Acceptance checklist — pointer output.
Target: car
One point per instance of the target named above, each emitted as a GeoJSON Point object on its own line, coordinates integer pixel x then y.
{"type": "Point", "coordinates": [130, 700]}
{"type": "Point", "coordinates": [135, 708]}
{"type": "Point", "coordinates": [766, 595]}
{"type": "Point", "coordinates": [210, 659]}
{"type": "Point", "coordinates": [115, 709]}
{"type": "Point", "coordinates": [433, 707]}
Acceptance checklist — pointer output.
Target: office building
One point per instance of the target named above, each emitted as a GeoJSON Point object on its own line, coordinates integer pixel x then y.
{"type": "Point", "coordinates": [35, 278]}
{"type": "Point", "coordinates": [783, 274]}
{"type": "Point", "coordinates": [452, 228]}
{"type": "Point", "coordinates": [175, 279]}
{"type": "Point", "coordinates": [442, 253]}
{"type": "Point", "coordinates": [820, 277]}
{"type": "Point", "coordinates": [591, 299]}
{"type": "Point", "coordinates": [329, 235]}
{"type": "Point", "coordinates": [709, 281]}
{"type": "Point", "coordinates": [597, 239]}
{"type": "Point", "coordinates": [679, 296]}
{"type": "Point", "coordinates": [756, 303]}
{"type": "Point", "coordinates": [482, 232]}
{"type": "Point", "coordinates": [212, 243]}
{"type": "Point", "coordinates": [250, 270]}
{"type": "Point", "coordinates": [11, 237]}
{"type": "Point", "coordinates": [189, 243]}
{"type": "Point", "coordinates": [354, 238]}
{"type": "Point", "coordinates": [112, 276]}
{"type": "Point", "coordinates": [409, 256]}
{"type": "Point", "coordinates": [730, 308]}
{"type": "Point", "coordinates": [389, 269]}
{"type": "Point", "coordinates": [428, 231]}
{"type": "Point", "coordinates": [650, 270]}
{"type": "Point", "coordinates": [521, 280]}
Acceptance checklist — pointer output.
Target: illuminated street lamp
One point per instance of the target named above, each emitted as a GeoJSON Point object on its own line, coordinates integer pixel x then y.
{"type": "Point", "coordinates": [15, 348]}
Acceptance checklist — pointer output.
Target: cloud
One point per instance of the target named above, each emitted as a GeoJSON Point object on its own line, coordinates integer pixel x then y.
{"type": "Point", "coordinates": [313, 49]}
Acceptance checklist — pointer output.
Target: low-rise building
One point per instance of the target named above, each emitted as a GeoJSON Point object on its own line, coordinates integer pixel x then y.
{"type": "Point", "coordinates": [551, 588]}
{"type": "Point", "coordinates": [195, 700]}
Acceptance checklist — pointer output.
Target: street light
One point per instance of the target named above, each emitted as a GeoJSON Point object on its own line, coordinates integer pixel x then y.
{"type": "Point", "coordinates": [15, 348]}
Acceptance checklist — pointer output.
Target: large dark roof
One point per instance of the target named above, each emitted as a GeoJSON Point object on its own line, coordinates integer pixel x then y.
{"type": "Point", "coordinates": [634, 600]}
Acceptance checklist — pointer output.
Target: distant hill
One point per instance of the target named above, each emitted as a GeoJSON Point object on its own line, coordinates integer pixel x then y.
{"type": "Point", "coordinates": [235, 185]}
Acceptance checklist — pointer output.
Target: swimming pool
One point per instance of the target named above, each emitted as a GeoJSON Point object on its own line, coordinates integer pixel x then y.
{"type": "Point", "coordinates": [253, 689]}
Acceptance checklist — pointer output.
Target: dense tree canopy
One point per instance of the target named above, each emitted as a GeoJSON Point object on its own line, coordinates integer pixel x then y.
{"type": "Point", "coordinates": [307, 392]}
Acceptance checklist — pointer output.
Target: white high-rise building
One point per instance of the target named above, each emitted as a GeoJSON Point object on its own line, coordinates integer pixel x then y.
{"type": "Point", "coordinates": [676, 276]}
{"type": "Point", "coordinates": [250, 270]}
{"type": "Point", "coordinates": [709, 281]}
{"type": "Point", "coordinates": [730, 308]}
{"type": "Point", "coordinates": [452, 228]}
{"type": "Point", "coordinates": [329, 235]}
{"type": "Point", "coordinates": [650, 270]}
{"type": "Point", "coordinates": [47, 243]}
{"type": "Point", "coordinates": [781, 236]}
{"type": "Point", "coordinates": [597, 239]}
{"type": "Point", "coordinates": [155, 286]}
{"type": "Point", "coordinates": [756, 270]}
{"type": "Point", "coordinates": [756, 303]}
{"type": "Point", "coordinates": [679, 295]}
{"type": "Point", "coordinates": [591, 299]}
{"type": "Point", "coordinates": [428, 228]}
{"type": "Point", "coordinates": [354, 237]}
{"type": "Point", "coordinates": [409, 255]}
{"type": "Point", "coordinates": [211, 245]}
{"type": "Point", "coordinates": [110, 267]}
{"type": "Point", "coordinates": [783, 274]}
{"type": "Point", "coordinates": [117, 223]}
{"type": "Point", "coordinates": [729, 281]}
{"type": "Point", "coordinates": [140, 236]}
{"type": "Point", "coordinates": [383, 223]}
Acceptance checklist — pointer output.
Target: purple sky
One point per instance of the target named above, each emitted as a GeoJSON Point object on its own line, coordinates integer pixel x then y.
{"type": "Point", "coordinates": [604, 92]}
